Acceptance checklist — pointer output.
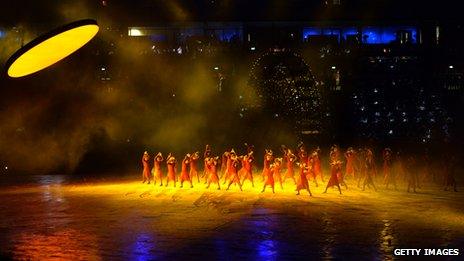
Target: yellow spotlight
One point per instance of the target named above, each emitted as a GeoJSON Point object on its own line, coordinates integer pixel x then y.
{"type": "Point", "coordinates": [51, 47]}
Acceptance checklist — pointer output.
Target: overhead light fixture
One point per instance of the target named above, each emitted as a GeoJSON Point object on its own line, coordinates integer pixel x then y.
{"type": "Point", "coordinates": [51, 47]}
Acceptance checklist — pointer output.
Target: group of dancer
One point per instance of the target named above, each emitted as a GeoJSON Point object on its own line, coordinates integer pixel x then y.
{"type": "Point", "coordinates": [233, 169]}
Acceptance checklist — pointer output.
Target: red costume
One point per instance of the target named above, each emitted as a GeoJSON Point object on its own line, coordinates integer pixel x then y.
{"type": "Point", "coordinates": [290, 159]}
{"type": "Point", "coordinates": [193, 166]}
{"type": "Point", "coordinates": [335, 174]}
{"type": "Point", "coordinates": [146, 168]}
{"type": "Point", "coordinates": [350, 158]}
{"type": "Point", "coordinates": [184, 175]}
{"type": "Point", "coordinates": [276, 171]}
{"type": "Point", "coordinates": [206, 155]}
{"type": "Point", "coordinates": [246, 171]}
{"type": "Point", "coordinates": [269, 179]}
{"type": "Point", "coordinates": [311, 174]}
{"type": "Point", "coordinates": [226, 163]}
{"type": "Point", "coordinates": [268, 158]}
{"type": "Point", "coordinates": [303, 181]}
{"type": "Point", "coordinates": [171, 162]}
{"type": "Point", "coordinates": [317, 166]}
{"type": "Point", "coordinates": [212, 168]}
{"type": "Point", "coordinates": [234, 178]}
{"type": "Point", "coordinates": [157, 173]}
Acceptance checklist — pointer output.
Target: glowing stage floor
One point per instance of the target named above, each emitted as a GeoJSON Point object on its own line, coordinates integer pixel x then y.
{"type": "Point", "coordinates": [53, 218]}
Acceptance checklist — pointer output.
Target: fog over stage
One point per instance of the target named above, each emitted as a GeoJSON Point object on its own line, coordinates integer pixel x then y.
{"type": "Point", "coordinates": [55, 217]}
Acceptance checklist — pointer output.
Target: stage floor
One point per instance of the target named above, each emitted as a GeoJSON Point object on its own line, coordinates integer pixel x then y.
{"type": "Point", "coordinates": [52, 217]}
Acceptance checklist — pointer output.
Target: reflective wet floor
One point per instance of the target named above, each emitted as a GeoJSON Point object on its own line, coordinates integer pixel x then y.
{"type": "Point", "coordinates": [53, 217]}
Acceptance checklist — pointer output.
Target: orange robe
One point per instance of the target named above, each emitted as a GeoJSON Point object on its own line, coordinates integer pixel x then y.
{"type": "Point", "coordinates": [349, 170]}
{"type": "Point", "coordinates": [335, 174]}
{"type": "Point", "coordinates": [171, 172]}
{"type": "Point", "coordinates": [184, 175]}
{"type": "Point", "coordinates": [303, 181]}
{"type": "Point", "coordinates": [290, 173]}
{"type": "Point", "coordinates": [246, 170]}
{"type": "Point", "coordinates": [212, 169]}
{"type": "Point", "coordinates": [146, 168]}
{"type": "Point", "coordinates": [157, 173]}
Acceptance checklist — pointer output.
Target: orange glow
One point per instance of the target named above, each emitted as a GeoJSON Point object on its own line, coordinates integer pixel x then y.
{"type": "Point", "coordinates": [40, 54]}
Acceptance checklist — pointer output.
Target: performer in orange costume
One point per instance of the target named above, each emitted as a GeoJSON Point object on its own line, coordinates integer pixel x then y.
{"type": "Point", "coordinates": [212, 168]}
{"type": "Point", "coordinates": [184, 174]}
{"type": "Point", "coordinates": [246, 172]}
{"type": "Point", "coordinates": [269, 178]}
{"type": "Point", "coordinates": [268, 158]}
{"type": "Point", "coordinates": [350, 161]}
{"type": "Point", "coordinates": [193, 166]}
{"type": "Point", "coordinates": [157, 173]}
{"type": "Point", "coordinates": [371, 170]}
{"type": "Point", "coordinates": [303, 181]}
{"type": "Point", "coordinates": [226, 165]}
{"type": "Point", "coordinates": [146, 168]}
{"type": "Point", "coordinates": [317, 166]}
{"type": "Point", "coordinates": [233, 172]}
{"type": "Point", "coordinates": [335, 173]}
{"type": "Point", "coordinates": [290, 159]}
{"type": "Point", "coordinates": [311, 173]}
{"type": "Point", "coordinates": [171, 163]}
{"type": "Point", "coordinates": [206, 155]}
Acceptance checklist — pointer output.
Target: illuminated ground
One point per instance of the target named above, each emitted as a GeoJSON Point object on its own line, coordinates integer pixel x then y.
{"type": "Point", "coordinates": [54, 218]}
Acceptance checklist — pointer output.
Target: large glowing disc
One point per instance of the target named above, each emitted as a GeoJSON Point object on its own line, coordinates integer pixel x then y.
{"type": "Point", "coordinates": [51, 47]}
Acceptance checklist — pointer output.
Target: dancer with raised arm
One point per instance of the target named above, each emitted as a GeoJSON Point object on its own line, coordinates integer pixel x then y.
{"type": "Point", "coordinates": [246, 172]}
{"type": "Point", "coordinates": [157, 173]}
{"type": "Point", "coordinates": [146, 167]}
{"type": "Point", "coordinates": [350, 162]}
{"type": "Point", "coordinates": [268, 159]}
{"type": "Point", "coordinates": [317, 165]}
{"type": "Point", "coordinates": [212, 168]}
{"type": "Point", "coordinates": [184, 174]}
{"type": "Point", "coordinates": [335, 174]}
{"type": "Point", "coordinates": [290, 159]}
{"type": "Point", "coordinates": [226, 165]}
{"type": "Point", "coordinates": [233, 170]}
{"type": "Point", "coordinates": [269, 179]}
{"type": "Point", "coordinates": [193, 165]}
{"type": "Point", "coordinates": [206, 156]}
{"type": "Point", "coordinates": [171, 163]}
{"type": "Point", "coordinates": [303, 181]}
